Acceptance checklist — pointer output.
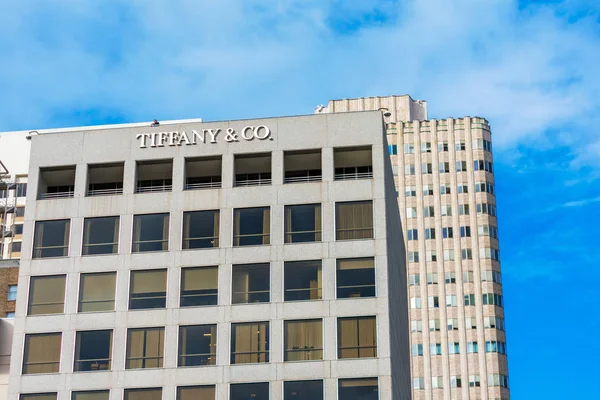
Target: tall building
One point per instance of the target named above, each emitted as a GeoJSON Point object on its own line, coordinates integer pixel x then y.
{"type": "Point", "coordinates": [445, 181]}
{"type": "Point", "coordinates": [257, 259]}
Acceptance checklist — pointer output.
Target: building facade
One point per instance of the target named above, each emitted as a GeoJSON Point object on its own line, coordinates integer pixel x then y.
{"type": "Point", "coordinates": [258, 259]}
{"type": "Point", "coordinates": [443, 170]}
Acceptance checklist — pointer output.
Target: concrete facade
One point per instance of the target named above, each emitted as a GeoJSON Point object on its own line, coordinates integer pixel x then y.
{"type": "Point", "coordinates": [83, 147]}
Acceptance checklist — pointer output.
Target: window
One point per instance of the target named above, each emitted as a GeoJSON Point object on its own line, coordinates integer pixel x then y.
{"type": "Point", "coordinates": [434, 326]}
{"type": "Point", "coordinates": [486, 208]}
{"type": "Point", "coordinates": [427, 190]}
{"type": "Point", "coordinates": [303, 280]}
{"type": "Point", "coordinates": [148, 289]}
{"type": "Point", "coordinates": [461, 166]}
{"type": "Point", "coordinates": [451, 300]}
{"type": "Point", "coordinates": [426, 147]}
{"type": "Point", "coordinates": [415, 302]}
{"type": "Point", "coordinates": [200, 229]}
{"type": "Point", "coordinates": [489, 253]}
{"type": "Point", "coordinates": [154, 176]}
{"type": "Point", "coordinates": [455, 381]}
{"type": "Point", "coordinates": [498, 380]}
{"type": "Point", "coordinates": [409, 169]}
{"type": "Point", "coordinates": [15, 247]}
{"type": "Point", "coordinates": [51, 238]}
{"type": "Point", "coordinates": [303, 340]}
{"type": "Point", "coordinates": [100, 235]}
{"type": "Point", "coordinates": [409, 148]}
{"type": "Point", "coordinates": [42, 353]}
{"type": "Point", "coordinates": [474, 381]}
{"type": "Point", "coordinates": [472, 347]}
{"type": "Point", "coordinates": [91, 395]}
{"type": "Point", "coordinates": [251, 283]}
{"type": "Point", "coordinates": [468, 276]}
{"type": "Point", "coordinates": [492, 299]}
{"type": "Point", "coordinates": [105, 179]}
{"type": "Point", "coordinates": [246, 391]}
{"type": "Point", "coordinates": [431, 255]}
{"type": "Point", "coordinates": [435, 349]}
{"type": "Point", "coordinates": [145, 348]}
{"type": "Point", "coordinates": [18, 229]}
{"type": "Point", "coordinates": [489, 275]}
{"type": "Point", "coordinates": [355, 277]}
{"type": "Point", "coordinates": [465, 231]}
{"type": "Point", "coordinates": [12, 293]}
{"type": "Point", "coordinates": [197, 345]}
{"type": "Point", "coordinates": [449, 255]}
{"type": "Point", "coordinates": [392, 149]}
{"type": "Point", "coordinates": [411, 191]}
{"type": "Point", "coordinates": [299, 390]}
{"type": "Point", "coordinates": [444, 167]}
{"type": "Point", "coordinates": [416, 326]}
{"type": "Point", "coordinates": [417, 349]}
{"type": "Point", "coordinates": [203, 173]}
{"type": "Point", "coordinates": [143, 394]}
{"type": "Point", "coordinates": [250, 343]}
{"type": "Point", "coordinates": [303, 223]}
{"type": "Point", "coordinates": [251, 226]}
{"type": "Point", "coordinates": [196, 392]}
{"type": "Point", "coordinates": [419, 383]}
{"type": "Point", "coordinates": [357, 337]}
{"type": "Point", "coordinates": [471, 322]}
{"type": "Point", "coordinates": [412, 234]}
{"type": "Point", "coordinates": [150, 233]}
{"type": "Point", "coordinates": [469, 299]}
{"type": "Point", "coordinates": [413, 256]}
{"type": "Point", "coordinates": [453, 348]}
{"type": "Point", "coordinates": [447, 232]}
{"type": "Point", "coordinates": [466, 254]}
{"type": "Point", "coordinates": [484, 187]}
{"type": "Point", "coordinates": [488, 230]}
{"type": "Point", "coordinates": [426, 168]}
{"type": "Point", "coordinates": [445, 188]}
{"type": "Point", "coordinates": [56, 182]}
{"type": "Point", "coordinates": [462, 188]}
{"type": "Point", "coordinates": [199, 286]}
{"type": "Point", "coordinates": [494, 346]}
{"type": "Point", "coordinates": [21, 190]}
{"type": "Point", "coordinates": [437, 382]}
{"type": "Point", "coordinates": [354, 220]}
{"type": "Point", "coordinates": [450, 277]}
{"type": "Point", "coordinates": [428, 211]}
{"type": "Point", "coordinates": [46, 295]}
{"type": "Point", "coordinates": [483, 165]}
{"type": "Point", "coordinates": [305, 165]}
{"type": "Point", "coordinates": [93, 351]}
{"type": "Point", "coordinates": [442, 146]}
{"type": "Point", "coordinates": [463, 209]}
{"type": "Point", "coordinates": [452, 324]}
{"type": "Point", "coordinates": [460, 145]}
{"type": "Point", "coordinates": [432, 278]}
{"type": "Point", "coordinates": [38, 396]}
{"type": "Point", "coordinates": [20, 212]}
{"type": "Point", "coordinates": [411, 212]}
{"type": "Point", "coordinates": [361, 388]}
{"type": "Point", "coordinates": [97, 292]}
{"type": "Point", "coordinates": [429, 233]}
{"type": "Point", "coordinates": [414, 279]}
{"type": "Point", "coordinates": [353, 163]}
{"type": "Point", "coordinates": [433, 302]}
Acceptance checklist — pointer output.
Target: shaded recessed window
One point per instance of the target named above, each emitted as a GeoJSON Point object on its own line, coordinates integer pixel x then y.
{"type": "Point", "coordinates": [303, 223]}
{"type": "Point", "coordinates": [249, 391]}
{"type": "Point", "coordinates": [251, 226]}
{"type": "Point", "coordinates": [154, 176]}
{"type": "Point", "coordinates": [150, 233]}
{"type": "Point", "coordinates": [252, 169]}
{"type": "Point", "coordinates": [97, 292]}
{"type": "Point", "coordinates": [51, 238]}
{"type": "Point", "coordinates": [91, 395]}
{"type": "Point", "coordinates": [12, 293]}
{"type": "Point", "coordinates": [250, 343]}
{"type": "Point", "coordinates": [303, 280]}
{"type": "Point", "coordinates": [199, 286]}
{"type": "Point", "coordinates": [353, 163]}
{"type": "Point", "coordinates": [301, 390]}
{"type": "Point", "coordinates": [56, 182]}
{"type": "Point", "coordinates": [105, 179]}
{"type": "Point", "coordinates": [302, 166]}
{"type": "Point", "coordinates": [202, 173]}
{"type": "Point", "coordinates": [354, 220]}
{"type": "Point", "coordinates": [197, 345]}
{"type": "Point", "coordinates": [303, 340]}
{"type": "Point", "coordinates": [93, 351]}
{"type": "Point", "coordinates": [148, 289]}
{"type": "Point", "coordinates": [15, 247]}
{"type": "Point", "coordinates": [357, 337]}
{"type": "Point", "coordinates": [200, 229]}
{"type": "Point", "coordinates": [363, 389]}
{"type": "Point", "coordinates": [42, 353]}
{"type": "Point", "coordinates": [46, 295]}
{"type": "Point", "coordinates": [251, 283]}
{"type": "Point", "coordinates": [38, 396]}
{"type": "Point", "coordinates": [355, 277]}
{"type": "Point", "coordinates": [100, 235]}
{"type": "Point", "coordinates": [145, 348]}
{"type": "Point", "coordinates": [196, 392]}
{"type": "Point", "coordinates": [143, 394]}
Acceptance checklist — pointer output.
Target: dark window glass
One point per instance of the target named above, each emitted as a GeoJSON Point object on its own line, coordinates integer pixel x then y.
{"type": "Point", "coordinates": [251, 226]}
{"type": "Point", "coordinates": [358, 389]}
{"type": "Point", "coordinates": [199, 286]}
{"type": "Point", "coordinates": [20, 212]}
{"type": "Point", "coordinates": [100, 235]}
{"type": "Point", "coordinates": [197, 345]}
{"type": "Point", "coordinates": [250, 343]}
{"type": "Point", "coordinates": [303, 223]}
{"type": "Point", "coordinates": [303, 280]}
{"type": "Point", "coordinates": [354, 220]}
{"type": "Point", "coordinates": [15, 247]}
{"type": "Point", "coordinates": [355, 278]}
{"type": "Point", "coordinates": [51, 238]}
{"type": "Point", "coordinates": [150, 232]}
{"type": "Point", "coordinates": [145, 348]}
{"type": "Point", "coordinates": [93, 350]}
{"type": "Point", "coordinates": [21, 192]}
{"type": "Point", "coordinates": [148, 289]}
{"type": "Point", "coordinates": [303, 390]}
{"type": "Point", "coordinates": [200, 229]}
{"type": "Point", "coordinates": [357, 337]}
{"type": "Point", "coordinates": [19, 229]}
{"type": "Point", "coordinates": [251, 283]}
{"type": "Point", "coordinates": [249, 391]}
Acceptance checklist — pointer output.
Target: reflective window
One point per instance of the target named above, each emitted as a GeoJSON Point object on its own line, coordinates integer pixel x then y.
{"type": "Point", "coordinates": [303, 390]}
{"type": "Point", "coordinates": [197, 345]}
{"type": "Point", "coordinates": [355, 277]}
{"type": "Point", "coordinates": [38, 396]}
{"type": "Point", "coordinates": [97, 292]}
{"type": "Point", "coordinates": [51, 238]}
{"type": "Point", "coordinates": [12, 292]}
{"type": "Point", "coordinates": [46, 295]}
{"type": "Point", "coordinates": [145, 348]}
{"type": "Point", "coordinates": [303, 223]}
{"type": "Point", "coordinates": [303, 340]}
{"type": "Point", "coordinates": [354, 389]}
{"type": "Point", "coordinates": [357, 337]}
{"type": "Point", "coordinates": [303, 280]}
{"type": "Point", "coordinates": [199, 286]}
{"type": "Point", "coordinates": [354, 220]}
{"type": "Point", "coordinates": [251, 283]}
{"type": "Point", "coordinates": [196, 393]}
{"type": "Point", "coordinates": [250, 343]}
{"type": "Point", "coordinates": [251, 226]}
{"type": "Point", "coordinates": [91, 395]}
{"type": "Point", "coordinates": [150, 232]}
{"type": "Point", "coordinates": [42, 353]}
{"type": "Point", "coordinates": [148, 289]}
{"type": "Point", "coordinates": [93, 351]}
{"type": "Point", "coordinates": [143, 394]}
{"type": "Point", "coordinates": [247, 391]}
{"type": "Point", "coordinates": [101, 235]}
{"type": "Point", "coordinates": [200, 229]}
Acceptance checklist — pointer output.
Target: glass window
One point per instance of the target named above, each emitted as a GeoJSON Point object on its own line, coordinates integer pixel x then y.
{"type": "Point", "coordinates": [197, 345]}
{"type": "Point", "coordinates": [145, 348]}
{"type": "Point", "coordinates": [38, 396]}
{"type": "Point", "coordinates": [19, 229]}
{"type": "Point", "coordinates": [200, 229]}
{"type": "Point", "coordinates": [143, 394]}
{"type": "Point", "coordinates": [250, 343]}
{"type": "Point", "coordinates": [303, 280]}
{"type": "Point", "coordinates": [148, 289]}
{"type": "Point", "coordinates": [357, 337]}
{"type": "Point", "coordinates": [93, 351]}
{"type": "Point", "coordinates": [97, 292]}
{"type": "Point", "coordinates": [247, 391]}
{"type": "Point", "coordinates": [354, 220]}
{"type": "Point", "coordinates": [12, 292]}
{"type": "Point", "coordinates": [355, 277]}
{"type": "Point", "coordinates": [21, 190]}
{"type": "Point", "coordinates": [196, 393]}
{"type": "Point", "coordinates": [10, 315]}
{"type": "Point", "coordinates": [101, 235]}
{"type": "Point", "coordinates": [91, 395]}
{"type": "Point", "coordinates": [20, 212]}
{"type": "Point", "coordinates": [150, 233]}
{"type": "Point", "coordinates": [251, 283]}
{"type": "Point", "coordinates": [303, 390]}
{"type": "Point", "coordinates": [199, 286]}
{"type": "Point", "coordinates": [303, 223]}
{"type": "Point", "coordinates": [15, 247]}
{"type": "Point", "coordinates": [303, 340]}
{"type": "Point", "coordinates": [42, 353]}
{"type": "Point", "coordinates": [251, 226]}
{"type": "Point", "coordinates": [353, 389]}
{"type": "Point", "coordinates": [51, 238]}
{"type": "Point", "coordinates": [46, 295]}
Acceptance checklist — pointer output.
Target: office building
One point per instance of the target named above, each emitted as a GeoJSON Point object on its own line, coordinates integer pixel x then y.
{"type": "Point", "coordinates": [444, 177]}
{"type": "Point", "coordinates": [257, 259]}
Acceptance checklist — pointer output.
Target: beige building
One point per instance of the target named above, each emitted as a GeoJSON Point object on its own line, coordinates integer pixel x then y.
{"type": "Point", "coordinates": [445, 181]}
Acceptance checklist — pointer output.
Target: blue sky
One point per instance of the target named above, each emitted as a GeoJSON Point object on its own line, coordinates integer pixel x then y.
{"type": "Point", "coordinates": [531, 68]}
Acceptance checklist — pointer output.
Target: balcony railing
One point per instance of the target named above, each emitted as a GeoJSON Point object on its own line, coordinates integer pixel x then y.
{"type": "Point", "coordinates": [56, 195]}
{"type": "Point", "coordinates": [253, 182]}
{"type": "Point", "coordinates": [150, 189]}
{"type": "Point", "coordinates": [202, 185]}
{"type": "Point", "coordinates": [353, 175]}
{"type": "Point", "coordinates": [297, 179]}
{"type": "Point", "coordinates": [104, 192]}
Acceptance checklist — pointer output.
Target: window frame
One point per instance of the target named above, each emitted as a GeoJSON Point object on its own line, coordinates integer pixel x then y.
{"type": "Point", "coordinates": [39, 249]}
{"type": "Point", "coordinates": [116, 245]}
